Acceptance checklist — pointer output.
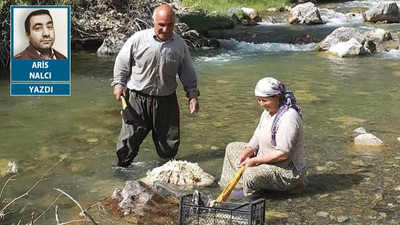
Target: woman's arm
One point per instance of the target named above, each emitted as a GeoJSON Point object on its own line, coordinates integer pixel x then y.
{"type": "Point", "coordinates": [272, 156]}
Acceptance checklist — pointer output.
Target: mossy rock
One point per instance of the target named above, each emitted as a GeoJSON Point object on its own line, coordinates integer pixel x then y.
{"type": "Point", "coordinates": [203, 23]}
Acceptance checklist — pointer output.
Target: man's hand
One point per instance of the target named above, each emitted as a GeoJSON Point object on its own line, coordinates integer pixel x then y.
{"type": "Point", "coordinates": [120, 91]}
{"type": "Point", "coordinates": [194, 105]}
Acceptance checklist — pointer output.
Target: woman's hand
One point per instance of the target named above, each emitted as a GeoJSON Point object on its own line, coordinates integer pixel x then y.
{"type": "Point", "coordinates": [246, 154]}
{"type": "Point", "coordinates": [250, 162]}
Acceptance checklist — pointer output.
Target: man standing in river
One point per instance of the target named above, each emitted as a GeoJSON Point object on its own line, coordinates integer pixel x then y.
{"type": "Point", "coordinates": [145, 73]}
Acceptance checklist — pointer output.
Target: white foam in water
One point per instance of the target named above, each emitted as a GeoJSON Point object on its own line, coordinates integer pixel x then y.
{"type": "Point", "coordinates": [138, 163]}
{"type": "Point", "coordinates": [392, 54]}
{"type": "Point", "coordinates": [224, 57]}
{"type": "Point", "coordinates": [368, 3]}
{"type": "Point", "coordinates": [267, 47]}
{"type": "Point", "coordinates": [333, 18]}
{"type": "Point", "coordinates": [271, 24]}
{"type": "Point", "coordinates": [236, 50]}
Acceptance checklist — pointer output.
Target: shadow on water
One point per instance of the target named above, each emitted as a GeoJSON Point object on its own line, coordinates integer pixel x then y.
{"type": "Point", "coordinates": [331, 182]}
{"type": "Point", "coordinates": [318, 184]}
{"type": "Point", "coordinates": [203, 156]}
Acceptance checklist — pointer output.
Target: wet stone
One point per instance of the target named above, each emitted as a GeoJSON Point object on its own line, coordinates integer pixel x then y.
{"type": "Point", "coordinates": [136, 199]}
{"type": "Point", "coordinates": [92, 140]}
{"type": "Point", "coordinates": [271, 215]}
{"type": "Point", "coordinates": [323, 195]}
{"type": "Point", "coordinates": [378, 197]}
{"type": "Point", "coordinates": [359, 163]}
{"type": "Point", "coordinates": [398, 199]}
{"type": "Point", "coordinates": [322, 214]}
{"type": "Point", "coordinates": [342, 219]}
{"type": "Point", "coordinates": [214, 147]}
{"type": "Point", "coordinates": [382, 215]}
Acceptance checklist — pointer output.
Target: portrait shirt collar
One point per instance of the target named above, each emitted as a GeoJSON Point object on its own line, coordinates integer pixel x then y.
{"type": "Point", "coordinates": [52, 55]}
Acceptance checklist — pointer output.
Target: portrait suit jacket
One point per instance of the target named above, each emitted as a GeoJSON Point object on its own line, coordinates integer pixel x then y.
{"type": "Point", "coordinates": [31, 53]}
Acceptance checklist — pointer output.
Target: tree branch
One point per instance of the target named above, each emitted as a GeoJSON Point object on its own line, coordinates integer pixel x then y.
{"type": "Point", "coordinates": [83, 211]}
{"type": "Point", "coordinates": [5, 184]}
{"type": "Point", "coordinates": [47, 208]}
{"type": "Point", "coordinates": [2, 212]}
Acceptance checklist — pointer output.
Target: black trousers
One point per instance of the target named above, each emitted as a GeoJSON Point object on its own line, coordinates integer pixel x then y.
{"type": "Point", "coordinates": [160, 114]}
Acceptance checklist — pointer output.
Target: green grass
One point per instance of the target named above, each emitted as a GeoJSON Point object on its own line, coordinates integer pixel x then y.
{"type": "Point", "coordinates": [222, 6]}
{"type": "Point", "coordinates": [203, 22]}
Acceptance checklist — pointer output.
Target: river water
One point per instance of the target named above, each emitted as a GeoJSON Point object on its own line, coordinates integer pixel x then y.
{"type": "Point", "coordinates": [348, 184]}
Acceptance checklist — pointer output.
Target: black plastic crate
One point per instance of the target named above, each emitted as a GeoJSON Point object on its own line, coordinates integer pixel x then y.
{"type": "Point", "coordinates": [251, 213]}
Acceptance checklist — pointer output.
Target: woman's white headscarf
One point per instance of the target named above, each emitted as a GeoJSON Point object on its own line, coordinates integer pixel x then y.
{"type": "Point", "coordinates": [268, 87]}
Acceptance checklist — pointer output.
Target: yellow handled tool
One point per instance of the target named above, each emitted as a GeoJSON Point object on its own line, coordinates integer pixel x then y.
{"type": "Point", "coordinates": [123, 101]}
{"type": "Point", "coordinates": [229, 188]}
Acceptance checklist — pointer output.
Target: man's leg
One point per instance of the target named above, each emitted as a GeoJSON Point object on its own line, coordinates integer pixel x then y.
{"type": "Point", "coordinates": [166, 130]}
{"type": "Point", "coordinates": [132, 135]}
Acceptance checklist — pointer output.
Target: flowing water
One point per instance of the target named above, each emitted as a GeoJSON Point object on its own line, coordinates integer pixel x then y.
{"type": "Point", "coordinates": [347, 184]}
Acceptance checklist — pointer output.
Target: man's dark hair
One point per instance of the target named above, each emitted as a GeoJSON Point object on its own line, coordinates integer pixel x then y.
{"type": "Point", "coordinates": [35, 13]}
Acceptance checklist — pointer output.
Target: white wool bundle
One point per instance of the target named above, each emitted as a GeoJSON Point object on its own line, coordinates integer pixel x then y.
{"type": "Point", "coordinates": [178, 172]}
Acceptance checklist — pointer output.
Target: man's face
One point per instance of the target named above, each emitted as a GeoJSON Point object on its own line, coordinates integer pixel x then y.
{"type": "Point", "coordinates": [164, 24]}
{"type": "Point", "coordinates": [41, 34]}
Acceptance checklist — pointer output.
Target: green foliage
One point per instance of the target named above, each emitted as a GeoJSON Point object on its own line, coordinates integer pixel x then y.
{"type": "Point", "coordinates": [203, 23]}
{"type": "Point", "coordinates": [224, 5]}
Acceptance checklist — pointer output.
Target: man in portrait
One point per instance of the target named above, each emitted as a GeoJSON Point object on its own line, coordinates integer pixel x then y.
{"type": "Point", "coordinates": [39, 30]}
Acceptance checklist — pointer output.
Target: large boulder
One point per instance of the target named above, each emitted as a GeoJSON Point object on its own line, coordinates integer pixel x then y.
{"type": "Point", "coordinates": [344, 34]}
{"type": "Point", "coordinates": [136, 198]}
{"type": "Point", "coordinates": [137, 203]}
{"type": "Point", "coordinates": [112, 43]}
{"type": "Point", "coordinates": [383, 12]}
{"type": "Point", "coordinates": [245, 16]}
{"type": "Point", "coordinates": [349, 48]}
{"type": "Point", "coordinates": [306, 13]}
{"type": "Point", "coordinates": [251, 13]}
{"type": "Point", "coordinates": [379, 35]}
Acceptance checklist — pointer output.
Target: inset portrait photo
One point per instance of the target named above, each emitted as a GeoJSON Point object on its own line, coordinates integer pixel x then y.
{"type": "Point", "coordinates": [40, 33]}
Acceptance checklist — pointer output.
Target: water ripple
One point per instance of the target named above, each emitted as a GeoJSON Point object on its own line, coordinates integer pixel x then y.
{"type": "Point", "coordinates": [236, 50]}
{"type": "Point", "coordinates": [392, 54]}
{"type": "Point", "coordinates": [333, 18]}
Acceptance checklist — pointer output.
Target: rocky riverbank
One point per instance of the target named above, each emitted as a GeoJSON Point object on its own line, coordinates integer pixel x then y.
{"type": "Point", "coordinates": [106, 26]}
